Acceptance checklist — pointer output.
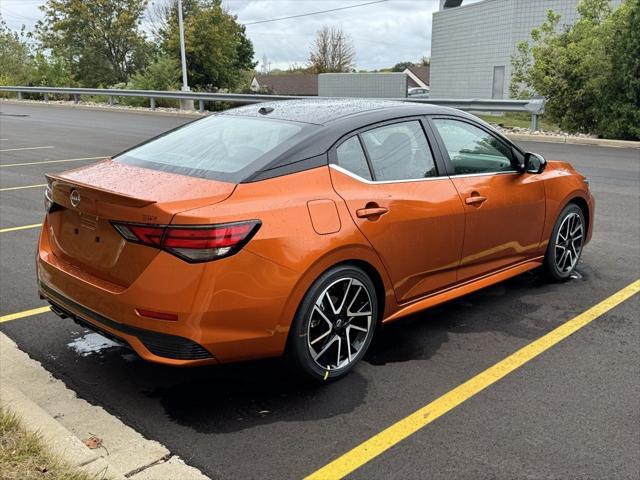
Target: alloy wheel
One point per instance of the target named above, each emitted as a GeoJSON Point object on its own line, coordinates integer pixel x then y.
{"type": "Point", "coordinates": [339, 323]}
{"type": "Point", "coordinates": [569, 242]}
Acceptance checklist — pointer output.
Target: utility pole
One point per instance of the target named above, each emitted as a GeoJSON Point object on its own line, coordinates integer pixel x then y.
{"type": "Point", "coordinates": [183, 57]}
{"type": "Point", "coordinates": [184, 104]}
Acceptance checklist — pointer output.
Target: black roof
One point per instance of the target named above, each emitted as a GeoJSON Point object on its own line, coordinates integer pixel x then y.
{"type": "Point", "coordinates": [322, 111]}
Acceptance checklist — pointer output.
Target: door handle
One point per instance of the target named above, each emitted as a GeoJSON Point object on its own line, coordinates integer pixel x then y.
{"type": "Point", "coordinates": [371, 212]}
{"type": "Point", "coordinates": [475, 200]}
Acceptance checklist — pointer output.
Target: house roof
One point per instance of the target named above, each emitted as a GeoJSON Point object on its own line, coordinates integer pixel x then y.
{"type": "Point", "coordinates": [289, 84]}
{"type": "Point", "coordinates": [418, 76]}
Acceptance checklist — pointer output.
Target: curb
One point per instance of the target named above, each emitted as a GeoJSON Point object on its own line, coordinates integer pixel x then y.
{"type": "Point", "coordinates": [46, 406]}
{"type": "Point", "coordinates": [600, 142]}
{"type": "Point", "coordinates": [57, 438]}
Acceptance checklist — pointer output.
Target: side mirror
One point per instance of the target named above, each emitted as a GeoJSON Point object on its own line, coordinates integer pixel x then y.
{"type": "Point", "coordinates": [534, 163]}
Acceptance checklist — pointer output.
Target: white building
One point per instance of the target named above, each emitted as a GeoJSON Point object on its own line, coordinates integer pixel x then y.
{"type": "Point", "coordinates": [472, 44]}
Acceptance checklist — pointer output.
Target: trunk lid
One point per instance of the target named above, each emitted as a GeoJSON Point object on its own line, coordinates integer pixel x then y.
{"type": "Point", "coordinates": [88, 199]}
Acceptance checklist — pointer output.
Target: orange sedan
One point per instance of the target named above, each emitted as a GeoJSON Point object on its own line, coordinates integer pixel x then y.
{"type": "Point", "coordinates": [299, 227]}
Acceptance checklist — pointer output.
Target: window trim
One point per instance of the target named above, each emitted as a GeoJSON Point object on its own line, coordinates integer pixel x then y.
{"type": "Point", "coordinates": [421, 119]}
{"type": "Point", "coordinates": [445, 153]}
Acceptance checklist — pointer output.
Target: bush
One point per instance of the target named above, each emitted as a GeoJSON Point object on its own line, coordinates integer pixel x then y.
{"type": "Point", "coordinates": [589, 73]}
{"type": "Point", "coordinates": [162, 74]}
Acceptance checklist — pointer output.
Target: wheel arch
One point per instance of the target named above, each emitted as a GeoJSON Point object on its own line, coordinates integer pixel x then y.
{"type": "Point", "coordinates": [356, 255]}
{"type": "Point", "coordinates": [584, 206]}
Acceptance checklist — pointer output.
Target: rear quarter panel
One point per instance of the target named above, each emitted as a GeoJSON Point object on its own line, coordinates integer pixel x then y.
{"type": "Point", "coordinates": [287, 236]}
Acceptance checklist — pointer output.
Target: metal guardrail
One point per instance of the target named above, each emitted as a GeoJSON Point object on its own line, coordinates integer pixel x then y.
{"type": "Point", "coordinates": [534, 107]}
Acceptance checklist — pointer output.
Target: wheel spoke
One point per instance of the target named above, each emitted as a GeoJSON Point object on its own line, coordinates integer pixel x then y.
{"type": "Point", "coordinates": [333, 308]}
{"type": "Point", "coordinates": [339, 350]}
{"type": "Point", "coordinates": [326, 347]}
{"type": "Point", "coordinates": [348, 343]}
{"type": "Point", "coordinates": [578, 228]}
{"type": "Point", "coordinates": [355, 327]}
{"type": "Point", "coordinates": [353, 299]}
{"type": "Point", "coordinates": [568, 260]}
{"type": "Point", "coordinates": [320, 337]}
{"type": "Point", "coordinates": [346, 294]}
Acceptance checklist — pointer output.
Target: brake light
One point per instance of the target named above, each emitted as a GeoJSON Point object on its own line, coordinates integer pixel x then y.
{"type": "Point", "coordinates": [201, 243]}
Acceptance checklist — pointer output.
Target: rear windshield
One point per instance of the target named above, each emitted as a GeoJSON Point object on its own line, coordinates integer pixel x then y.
{"type": "Point", "coordinates": [220, 147]}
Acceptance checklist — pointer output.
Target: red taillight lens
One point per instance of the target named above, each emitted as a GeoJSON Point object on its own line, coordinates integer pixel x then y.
{"type": "Point", "coordinates": [192, 243]}
{"type": "Point", "coordinates": [148, 235]}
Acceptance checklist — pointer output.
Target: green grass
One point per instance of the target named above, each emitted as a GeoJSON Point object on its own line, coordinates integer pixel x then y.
{"type": "Point", "coordinates": [24, 456]}
{"type": "Point", "coordinates": [516, 119]}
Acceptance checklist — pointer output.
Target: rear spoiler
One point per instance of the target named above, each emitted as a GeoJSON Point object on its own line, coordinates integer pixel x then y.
{"type": "Point", "coordinates": [64, 186]}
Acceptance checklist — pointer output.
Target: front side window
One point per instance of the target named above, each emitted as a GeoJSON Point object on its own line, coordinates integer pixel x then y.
{"type": "Point", "coordinates": [349, 155]}
{"type": "Point", "coordinates": [399, 152]}
{"type": "Point", "coordinates": [222, 147]}
{"type": "Point", "coordinates": [471, 149]}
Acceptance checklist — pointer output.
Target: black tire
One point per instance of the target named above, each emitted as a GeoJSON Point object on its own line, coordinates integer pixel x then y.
{"type": "Point", "coordinates": [562, 242]}
{"type": "Point", "coordinates": [316, 316]}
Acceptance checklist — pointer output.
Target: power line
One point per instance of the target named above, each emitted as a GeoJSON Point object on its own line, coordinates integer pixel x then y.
{"type": "Point", "coordinates": [314, 13]}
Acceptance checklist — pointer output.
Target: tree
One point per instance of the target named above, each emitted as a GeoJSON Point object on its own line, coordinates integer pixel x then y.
{"type": "Point", "coordinates": [14, 56]}
{"type": "Point", "coordinates": [99, 39]}
{"type": "Point", "coordinates": [402, 66]}
{"type": "Point", "coordinates": [332, 51]}
{"type": "Point", "coordinates": [588, 72]}
{"type": "Point", "coordinates": [620, 115]}
{"type": "Point", "coordinates": [217, 49]}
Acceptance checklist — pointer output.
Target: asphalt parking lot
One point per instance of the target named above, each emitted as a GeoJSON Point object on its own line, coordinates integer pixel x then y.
{"type": "Point", "coordinates": [571, 412]}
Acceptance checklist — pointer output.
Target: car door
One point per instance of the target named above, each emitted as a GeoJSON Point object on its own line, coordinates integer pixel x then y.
{"type": "Point", "coordinates": [505, 209]}
{"type": "Point", "coordinates": [411, 215]}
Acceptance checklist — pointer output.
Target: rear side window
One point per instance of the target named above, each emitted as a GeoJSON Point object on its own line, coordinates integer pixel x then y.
{"type": "Point", "coordinates": [349, 155]}
{"type": "Point", "coordinates": [221, 147]}
{"type": "Point", "coordinates": [471, 149]}
{"type": "Point", "coordinates": [399, 152]}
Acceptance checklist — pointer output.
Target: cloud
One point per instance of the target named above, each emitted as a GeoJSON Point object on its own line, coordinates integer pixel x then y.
{"type": "Point", "coordinates": [383, 34]}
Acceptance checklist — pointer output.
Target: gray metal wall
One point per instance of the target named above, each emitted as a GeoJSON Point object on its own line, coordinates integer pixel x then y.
{"type": "Point", "coordinates": [469, 41]}
{"type": "Point", "coordinates": [368, 85]}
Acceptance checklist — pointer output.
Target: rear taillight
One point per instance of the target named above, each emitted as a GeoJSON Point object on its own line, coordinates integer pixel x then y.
{"type": "Point", "coordinates": [201, 243]}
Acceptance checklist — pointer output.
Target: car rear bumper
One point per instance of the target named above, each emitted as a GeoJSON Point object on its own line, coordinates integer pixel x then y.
{"type": "Point", "coordinates": [227, 310]}
{"type": "Point", "coordinates": [160, 345]}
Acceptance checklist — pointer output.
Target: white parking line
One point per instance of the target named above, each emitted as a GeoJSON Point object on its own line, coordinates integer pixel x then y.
{"type": "Point", "coordinates": [20, 188]}
{"type": "Point", "coordinates": [25, 148]}
{"type": "Point", "coordinates": [51, 161]}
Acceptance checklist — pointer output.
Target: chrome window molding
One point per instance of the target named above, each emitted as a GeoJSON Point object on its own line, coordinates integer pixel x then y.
{"type": "Point", "coordinates": [463, 175]}
{"type": "Point", "coordinates": [377, 182]}
{"type": "Point", "coordinates": [412, 180]}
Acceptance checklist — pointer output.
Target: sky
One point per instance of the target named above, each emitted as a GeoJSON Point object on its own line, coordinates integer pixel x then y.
{"type": "Point", "coordinates": [383, 33]}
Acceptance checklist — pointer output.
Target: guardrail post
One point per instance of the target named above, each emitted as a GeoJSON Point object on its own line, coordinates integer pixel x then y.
{"type": "Point", "coordinates": [201, 106]}
{"type": "Point", "coordinates": [46, 96]}
{"type": "Point", "coordinates": [19, 95]}
{"type": "Point", "coordinates": [76, 98]}
{"type": "Point", "coordinates": [110, 97]}
{"type": "Point", "coordinates": [534, 123]}
{"type": "Point", "coordinates": [152, 103]}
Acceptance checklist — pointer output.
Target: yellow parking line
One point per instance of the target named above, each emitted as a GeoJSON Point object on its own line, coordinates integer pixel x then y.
{"type": "Point", "coordinates": [26, 313]}
{"type": "Point", "coordinates": [50, 161]}
{"type": "Point", "coordinates": [20, 188]}
{"type": "Point", "coordinates": [25, 148]}
{"type": "Point", "coordinates": [23, 227]}
{"type": "Point", "coordinates": [397, 432]}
